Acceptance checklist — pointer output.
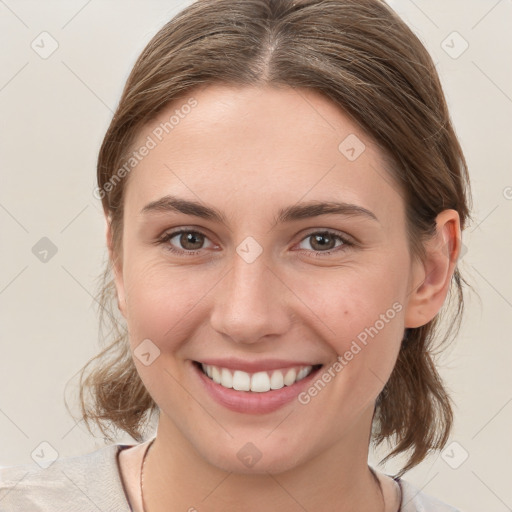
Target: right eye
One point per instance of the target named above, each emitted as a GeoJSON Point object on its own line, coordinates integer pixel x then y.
{"type": "Point", "coordinates": [191, 241]}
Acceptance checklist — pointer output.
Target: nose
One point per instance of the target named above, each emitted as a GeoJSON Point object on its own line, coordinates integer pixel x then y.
{"type": "Point", "coordinates": [250, 303]}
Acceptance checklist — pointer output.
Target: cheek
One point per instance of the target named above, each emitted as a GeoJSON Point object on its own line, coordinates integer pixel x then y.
{"type": "Point", "coordinates": [363, 312]}
{"type": "Point", "coordinates": [160, 299]}
{"type": "Point", "coordinates": [163, 304]}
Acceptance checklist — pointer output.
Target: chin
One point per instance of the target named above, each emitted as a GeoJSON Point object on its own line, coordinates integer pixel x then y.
{"type": "Point", "coordinates": [253, 458]}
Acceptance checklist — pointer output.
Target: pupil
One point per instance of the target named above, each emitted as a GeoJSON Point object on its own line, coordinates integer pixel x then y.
{"type": "Point", "coordinates": [190, 238]}
{"type": "Point", "coordinates": [318, 239]}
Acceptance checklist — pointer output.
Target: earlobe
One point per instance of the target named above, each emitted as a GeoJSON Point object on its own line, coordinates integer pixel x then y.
{"type": "Point", "coordinates": [116, 266]}
{"type": "Point", "coordinates": [431, 278]}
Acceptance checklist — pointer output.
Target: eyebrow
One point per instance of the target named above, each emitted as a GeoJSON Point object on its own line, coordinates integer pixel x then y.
{"type": "Point", "coordinates": [300, 211]}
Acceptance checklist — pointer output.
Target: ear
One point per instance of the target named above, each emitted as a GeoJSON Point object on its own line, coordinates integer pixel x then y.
{"type": "Point", "coordinates": [431, 277]}
{"type": "Point", "coordinates": [117, 267]}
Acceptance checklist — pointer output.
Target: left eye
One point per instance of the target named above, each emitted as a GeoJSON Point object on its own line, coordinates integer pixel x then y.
{"type": "Point", "coordinates": [324, 241]}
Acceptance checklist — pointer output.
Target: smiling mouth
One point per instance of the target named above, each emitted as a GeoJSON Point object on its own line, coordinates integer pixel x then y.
{"type": "Point", "coordinates": [258, 382]}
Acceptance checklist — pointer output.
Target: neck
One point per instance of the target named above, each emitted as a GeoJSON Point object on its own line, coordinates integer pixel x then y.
{"type": "Point", "coordinates": [175, 474]}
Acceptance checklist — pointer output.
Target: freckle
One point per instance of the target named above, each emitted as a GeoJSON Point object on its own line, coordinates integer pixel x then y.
{"type": "Point", "coordinates": [345, 312]}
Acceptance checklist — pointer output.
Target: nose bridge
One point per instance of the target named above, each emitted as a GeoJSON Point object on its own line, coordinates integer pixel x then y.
{"type": "Point", "coordinates": [250, 304]}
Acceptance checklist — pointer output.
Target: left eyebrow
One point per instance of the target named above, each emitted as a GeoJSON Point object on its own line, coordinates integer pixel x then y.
{"type": "Point", "coordinates": [317, 208]}
{"type": "Point", "coordinates": [290, 213]}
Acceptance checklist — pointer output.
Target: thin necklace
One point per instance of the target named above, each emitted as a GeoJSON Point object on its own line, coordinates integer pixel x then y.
{"type": "Point", "coordinates": [142, 481]}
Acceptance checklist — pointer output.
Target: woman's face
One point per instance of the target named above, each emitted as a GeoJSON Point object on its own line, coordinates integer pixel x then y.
{"type": "Point", "coordinates": [270, 282]}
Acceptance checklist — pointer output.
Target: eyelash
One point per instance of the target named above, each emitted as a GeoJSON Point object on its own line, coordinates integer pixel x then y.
{"type": "Point", "coordinates": [168, 236]}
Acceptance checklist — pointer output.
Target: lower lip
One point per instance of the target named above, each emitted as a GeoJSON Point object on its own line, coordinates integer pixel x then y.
{"type": "Point", "coordinates": [250, 402]}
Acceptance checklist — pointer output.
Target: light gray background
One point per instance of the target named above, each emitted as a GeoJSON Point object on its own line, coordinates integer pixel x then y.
{"type": "Point", "coordinates": [54, 112]}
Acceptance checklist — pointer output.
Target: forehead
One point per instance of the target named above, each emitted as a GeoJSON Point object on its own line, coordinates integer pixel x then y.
{"type": "Point", "coordinates": [261, 144]}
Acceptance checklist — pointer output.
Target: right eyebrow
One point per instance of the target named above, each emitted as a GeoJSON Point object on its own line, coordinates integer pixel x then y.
{"type": "Point", "coordinates": [175, 204]}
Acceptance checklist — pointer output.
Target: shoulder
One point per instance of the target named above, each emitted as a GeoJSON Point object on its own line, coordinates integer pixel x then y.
{"type": "Point", "coordinates": [73, 484]}
{"type": "Point", "coordinates": [414, 500]}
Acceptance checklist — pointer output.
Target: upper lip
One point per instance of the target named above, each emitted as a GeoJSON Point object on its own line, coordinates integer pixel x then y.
{"type": "Point", "coordinates": [255, 366]}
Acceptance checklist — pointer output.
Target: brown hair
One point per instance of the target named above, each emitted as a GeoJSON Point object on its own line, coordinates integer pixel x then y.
{"type": "Point", "coordinates": [364, 58]}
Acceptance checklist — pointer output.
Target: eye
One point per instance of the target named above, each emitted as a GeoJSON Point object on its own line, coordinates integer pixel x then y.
{"type": "Point", "coordinates": [325, 242]}
{"type": "Point", "coordinates": [191, 242]}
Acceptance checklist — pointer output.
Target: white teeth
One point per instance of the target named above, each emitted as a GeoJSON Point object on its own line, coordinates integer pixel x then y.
{"type": "Point", "coordinates": [302, 373]}
{"type": "Point", "coordinates": [226, 378]}
{"type": "Point", "coordinates": [241, 381]}
{"type": "Point", "coordinates": [277, 380]}
{"type": "Point", "coordinates": [259, 382]}
{"type": "Point", "coordinates": [290, 376]}
{"type": "Point", "coordinates": [215, 374]}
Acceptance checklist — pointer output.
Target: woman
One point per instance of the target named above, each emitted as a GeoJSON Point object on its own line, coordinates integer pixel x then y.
{"type": "Point", "coordinates": [284, 196]}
